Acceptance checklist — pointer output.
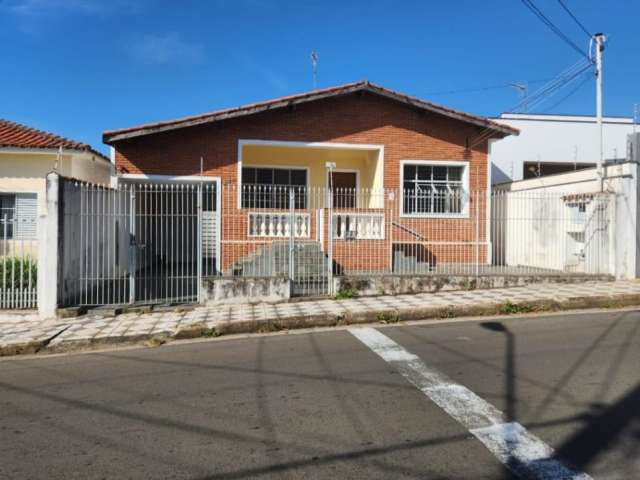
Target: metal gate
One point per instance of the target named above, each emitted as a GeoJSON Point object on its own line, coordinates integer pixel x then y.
{"type": "Point", "coordinates": [140, 243]}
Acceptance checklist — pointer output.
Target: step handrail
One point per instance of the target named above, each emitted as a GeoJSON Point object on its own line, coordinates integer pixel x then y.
{"type": "Point", "coordinates": [408, 230]}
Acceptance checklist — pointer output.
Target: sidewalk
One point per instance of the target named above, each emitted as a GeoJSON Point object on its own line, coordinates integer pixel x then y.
{"type": "Point", "coordinates": [27, 334]}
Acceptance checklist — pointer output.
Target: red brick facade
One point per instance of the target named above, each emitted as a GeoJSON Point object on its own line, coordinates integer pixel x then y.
{"type": "Point", "coordinates": [359, 118]}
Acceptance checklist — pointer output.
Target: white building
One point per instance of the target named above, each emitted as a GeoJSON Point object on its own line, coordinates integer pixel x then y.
{"type": "Point", "coordinates": [550, 144]}
{"type": "Point", "coordinates": [580, 225]}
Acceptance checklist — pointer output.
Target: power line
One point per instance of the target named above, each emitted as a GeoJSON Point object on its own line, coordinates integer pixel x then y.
{"type": "Point", "coordinates": [482, 89]}
{"type": "Point", "coordinates": [575, 19]}
{"type": "Point", "coordinates": [544, 19]}
{"type": "Point", "coordinates": [573, 91]}
{"type": "Point", "coordinates": [542, 94]}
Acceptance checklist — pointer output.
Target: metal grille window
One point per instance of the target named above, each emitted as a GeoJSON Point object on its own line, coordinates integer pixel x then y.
{"type": "Point", "coordinates": [433, 189]}
{"type": "Point", "coordinates": [270, 187]}
{"type": "Point", "coordinates": [7, 215]}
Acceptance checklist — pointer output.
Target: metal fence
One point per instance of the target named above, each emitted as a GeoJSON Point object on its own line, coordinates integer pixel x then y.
{"type": "Point", "coordinates": [314, 234]}
{"type": "Point", "coordinates": [18, 261]}
{"type": "Point", "coordinates": [138, 243]}
{"type": "Point", "coordinates": [156, 243]}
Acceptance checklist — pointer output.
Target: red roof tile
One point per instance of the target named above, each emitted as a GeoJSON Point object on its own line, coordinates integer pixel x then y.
{"type": "Point", "coordinates": [110, 136]}
{"type": "Point", "coordinates": [16, 135]}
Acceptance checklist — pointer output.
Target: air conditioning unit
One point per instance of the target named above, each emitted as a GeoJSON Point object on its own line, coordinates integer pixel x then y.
{"type": "Point", "coordinates": [633, 147]}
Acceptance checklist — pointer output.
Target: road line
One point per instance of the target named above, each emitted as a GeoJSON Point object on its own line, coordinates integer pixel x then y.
{"type": "Point", "coordinates": [519, 450]}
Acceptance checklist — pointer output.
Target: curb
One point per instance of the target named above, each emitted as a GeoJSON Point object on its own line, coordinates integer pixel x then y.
{"type": "Point", "coordinates": [384, 316]}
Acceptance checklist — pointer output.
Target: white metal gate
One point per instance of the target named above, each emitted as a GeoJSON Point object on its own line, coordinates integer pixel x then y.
{"type": "Point", "coordinates": [139, 243]}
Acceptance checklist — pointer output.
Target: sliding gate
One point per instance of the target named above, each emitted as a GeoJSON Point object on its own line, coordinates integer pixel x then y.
{"type": "Point", "coordinates": [139, 243]}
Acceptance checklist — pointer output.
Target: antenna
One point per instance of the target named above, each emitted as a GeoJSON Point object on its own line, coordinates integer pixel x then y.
{"type": "Point", "coordinates": [523, 90]}
{"type": "Point", "coordinates": [314, 67]}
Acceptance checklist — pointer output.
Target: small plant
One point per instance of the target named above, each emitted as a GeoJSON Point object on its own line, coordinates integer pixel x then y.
{"type": "Point", "coordinates": [18, 272]}
{"type": "Point", "coordinates": [210, 333]}
{"type": "Point", "coordinates": [448, 312]}
{"type": "Point", "coordinates": [345, 293]}
{"type": "Point", "coordinates": [388, 317]}
{"type": "Point", "coordinates": [510, 308]}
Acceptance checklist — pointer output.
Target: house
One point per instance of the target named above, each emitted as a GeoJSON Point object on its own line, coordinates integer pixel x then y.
{"type": "Point", "coordinates": [28, 154]}
{"type": "Point", "coordinates": [586, 222]}
{"type": "Point", "coordinates": [550, 144]}
{"type": "Point", "coordinates": [399, 170]}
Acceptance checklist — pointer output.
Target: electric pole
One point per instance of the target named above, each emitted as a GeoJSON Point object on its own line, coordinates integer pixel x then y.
{"type": "Point", "coordinates": [599, 39]}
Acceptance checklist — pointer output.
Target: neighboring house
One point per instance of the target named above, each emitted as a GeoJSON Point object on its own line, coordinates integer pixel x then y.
{"type": "Point", "coordinates": [550, 144]}
{"type": "Point", "coordinates": [27, 155]}
{"type": "Point", "coordinates": [377, 138]}
{"type": "Point", "coordinates": [585, 224]}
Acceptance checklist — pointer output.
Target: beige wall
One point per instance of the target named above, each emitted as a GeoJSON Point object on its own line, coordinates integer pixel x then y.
{"type": "Point", "coordinates": [26, 171]}
{"type": "Point", "coordinates": [365, 162]}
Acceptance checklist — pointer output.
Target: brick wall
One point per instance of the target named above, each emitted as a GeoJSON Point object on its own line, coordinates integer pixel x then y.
{"type": "Point", "coordinates": [405, 132]}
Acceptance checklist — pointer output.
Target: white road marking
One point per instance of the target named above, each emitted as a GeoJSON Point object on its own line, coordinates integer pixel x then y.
{"type": "Point", "coordinates": [522, 452]}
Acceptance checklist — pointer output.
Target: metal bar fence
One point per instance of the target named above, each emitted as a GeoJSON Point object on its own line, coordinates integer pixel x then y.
{"type": "Point", "coordinates": [409, 232]}
{"type": "Point", "coordinates": [139, 243]}
{"type": "Point", "coordinates": [18, 262]}
{"type": "Point", "coordinates": [156, 243]}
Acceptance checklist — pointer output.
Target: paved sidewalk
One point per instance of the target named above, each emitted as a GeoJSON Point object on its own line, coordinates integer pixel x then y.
{"type": "Point", "coordinates": [26, 333]}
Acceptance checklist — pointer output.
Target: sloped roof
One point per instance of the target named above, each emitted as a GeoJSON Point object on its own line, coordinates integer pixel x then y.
{"type": "Point", "coordinates": [16, 135]}
{"type": "Point", "coordinates": [111, 136]}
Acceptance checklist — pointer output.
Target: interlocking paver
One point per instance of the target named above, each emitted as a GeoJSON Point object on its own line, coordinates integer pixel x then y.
{"type": "Point", "coordinates": [23, 328]}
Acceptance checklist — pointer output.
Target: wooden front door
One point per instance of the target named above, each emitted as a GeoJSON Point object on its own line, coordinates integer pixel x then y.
{"type": "Point", "coordinates": [344, 189]}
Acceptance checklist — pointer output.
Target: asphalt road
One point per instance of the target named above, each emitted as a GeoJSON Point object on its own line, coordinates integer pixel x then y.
{"type": "Point", "coordinates": [324, 405]}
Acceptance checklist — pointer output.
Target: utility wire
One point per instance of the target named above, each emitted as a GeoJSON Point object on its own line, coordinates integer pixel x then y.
{"type": "Point", "coordinates": [571, 93]}
{"type": "Point", "coordinates": [575, 19]}
{"type": "Point", "coordinates": [544, 19]}
{"type": "Point", "coordinates": [542, 94]}
{"type": "Point", "coordinates": [482, 89]}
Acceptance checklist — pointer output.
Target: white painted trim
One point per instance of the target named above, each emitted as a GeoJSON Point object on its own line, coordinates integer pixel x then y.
{"type": "Point", "coordinates": [168, 178]}
{"type": "Point", "coordinates": [296, 144]}
{"type": "Point", "coordinates": [344, 170]}
{"type": "Point", "coordinates": [449, 163]}
{"type": "Point", "coordinates": [190, 178]}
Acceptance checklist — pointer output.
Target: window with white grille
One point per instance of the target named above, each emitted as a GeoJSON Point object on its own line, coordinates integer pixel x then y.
{"type": "Point", "coordinates": [432, 189]}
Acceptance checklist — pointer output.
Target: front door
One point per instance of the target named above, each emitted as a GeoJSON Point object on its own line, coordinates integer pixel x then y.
{"type": "Point", "coordinates": [344, 189]}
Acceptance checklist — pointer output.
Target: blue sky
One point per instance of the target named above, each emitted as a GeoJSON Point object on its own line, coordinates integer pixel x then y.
{"type": "Point", "coordinates": [78, 67]}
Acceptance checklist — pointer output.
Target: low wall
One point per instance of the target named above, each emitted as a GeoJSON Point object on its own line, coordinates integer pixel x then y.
{"type": "Point", "coordinates": [398, 284]}
{"type": "Point", "coordinates": [228, 290]}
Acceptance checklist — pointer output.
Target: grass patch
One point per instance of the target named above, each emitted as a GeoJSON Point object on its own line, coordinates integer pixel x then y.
{"type": "Point", "coordinates": [388, 317]}
{"type": "Point", "coordinates": [510, 308]}
{"type": "Point", "coordinates": [345, 293]}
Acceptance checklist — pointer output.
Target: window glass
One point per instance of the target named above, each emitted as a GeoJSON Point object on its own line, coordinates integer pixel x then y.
{"type": "Point", "coordinates": [273, 191]}
{"type": "Point", "coordinates": [7, 215]}
{"type": "Point", "coordinates": [299, 177]}
{"type": "Point", "coordinates": [281, 177]}
{"type": "Point", "coordinates": [249, 175]}
{"type": "Point", "coordinates": [264, 176]}
{"type": "Point", "coordinates": [433, 189]}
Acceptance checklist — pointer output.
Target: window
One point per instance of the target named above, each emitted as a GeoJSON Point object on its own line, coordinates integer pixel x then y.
{"type": "Point", "coordinates": [433, 189]}
{"type": "Point", "coordinates": [271, 187]}
{"type": "Point", "coordinates": [7, 215]}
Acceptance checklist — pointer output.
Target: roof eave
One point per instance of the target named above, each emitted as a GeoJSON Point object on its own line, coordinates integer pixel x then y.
{"type": "Point", "coordinates": [109, 137]}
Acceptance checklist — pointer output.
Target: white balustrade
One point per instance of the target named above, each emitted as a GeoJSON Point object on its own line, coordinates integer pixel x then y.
{"type": "Point", "coordinates": [278, 225]}
{"type": "Point", "coordinates": [358, 226]}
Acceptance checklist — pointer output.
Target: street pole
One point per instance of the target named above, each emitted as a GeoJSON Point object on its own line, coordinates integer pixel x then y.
{"type": "Point", "coordinates": [599, 39]}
